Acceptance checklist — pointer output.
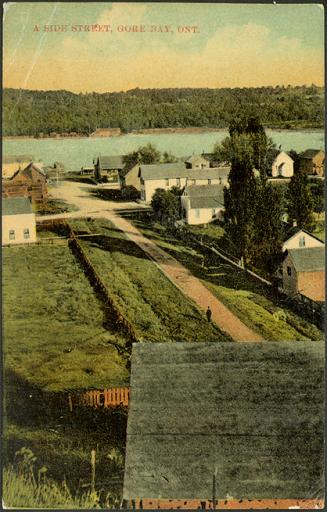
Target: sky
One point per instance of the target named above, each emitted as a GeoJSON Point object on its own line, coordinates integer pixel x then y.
{"type": "Point", "coordinates": [159, 45]}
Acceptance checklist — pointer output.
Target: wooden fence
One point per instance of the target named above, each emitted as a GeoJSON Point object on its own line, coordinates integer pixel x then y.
{"type": "Point", "coordinates": [111, 397]}
{"type": "Point", "coordinates": [120, 321]}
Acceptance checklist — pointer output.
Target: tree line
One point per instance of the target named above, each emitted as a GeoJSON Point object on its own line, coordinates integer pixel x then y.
{"type": "Point", "coordinates": [27, 112]}
{"type": "Point", "coordinates": [255, 210]}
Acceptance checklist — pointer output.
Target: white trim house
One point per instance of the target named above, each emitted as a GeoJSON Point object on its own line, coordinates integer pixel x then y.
{"type": "Point", "coordinates": [166, 176]}
{"type": "Point", "coordinates": [202, 204]}
{"type": "Point", "coordinates": [18, 221]}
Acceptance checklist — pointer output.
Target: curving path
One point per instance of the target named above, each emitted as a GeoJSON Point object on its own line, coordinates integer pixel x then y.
{"type": "Point", "coordinates": [190, 285]}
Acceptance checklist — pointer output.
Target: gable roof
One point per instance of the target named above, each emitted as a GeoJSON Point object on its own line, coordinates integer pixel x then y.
{"type": "Point", "coordinates": [290, 231]}
{"type": "Point", "coordinates": [27, 171]}
{"type": "Point", "coordinates": [111, 162]}
{"type": "Point", "coordinates": [311, 259]}
{"type": "Point", "coordinates": [242, 409]}
{"type": "Point", "coordinates": [310, 153]}
{"type": "Point", "coordinates": [179, 170]}
{"type": "Point", "coordinates": [195, 158]}
{"type": "Point", "coordinates": [205, 196]}
{"type": "Point", "coordinates": [11, 159]}
{"type": "Point", "coordinates": [16, 206]}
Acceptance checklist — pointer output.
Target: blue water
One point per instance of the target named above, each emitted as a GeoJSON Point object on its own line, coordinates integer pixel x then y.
{"type": "Point", "coordinates": [75, 153]}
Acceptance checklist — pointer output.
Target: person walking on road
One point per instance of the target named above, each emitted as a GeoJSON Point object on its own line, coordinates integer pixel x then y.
{"type": "Point", "coordinates": [208, 314]}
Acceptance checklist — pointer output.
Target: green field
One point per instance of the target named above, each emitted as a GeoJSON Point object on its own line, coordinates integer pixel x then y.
{"type": "Point", "coordinates": [251, 300]}
{"type": "Point", "coordinates": [53, 323]}
{"type": "Point", "coordinates": [157, 310]}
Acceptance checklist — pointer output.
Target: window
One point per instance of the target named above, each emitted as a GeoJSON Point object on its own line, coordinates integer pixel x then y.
{"type": "Point", "coordinates": [11, 234]}
{"type": "Point", "coordinates": [213, 211]}
{"type": "Point", "coordinates": [178, 182]}
{"type": "Point", "coordinates": [26, 233]}
{"type": "Point", "coordinates": [209, 182]}
{"type": "Point", "coordinates": [289, 271]}
{"type": "Point", "coordinates": [193, 182]}
{"type": "Point", "coordinates": [197, 213]}
{"type": "Point", "coordinates": [302, 241]}
{"type": "Point", "coordinates": [167, 182]}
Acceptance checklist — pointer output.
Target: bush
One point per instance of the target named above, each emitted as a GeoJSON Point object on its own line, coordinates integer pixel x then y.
{"type": "Point", "coordinates": [130, 193]}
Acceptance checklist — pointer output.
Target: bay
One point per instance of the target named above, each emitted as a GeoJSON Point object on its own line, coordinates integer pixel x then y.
{"type": "Point", "coordinates": [78, 152]}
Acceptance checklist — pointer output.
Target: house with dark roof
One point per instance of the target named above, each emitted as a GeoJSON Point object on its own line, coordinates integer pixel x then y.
{"type": "Point", "coordinates": [303, 272]}
{"type": "Point", "coordinates": [202, 203]}
{"type": "Point", "coordinates": [313, 162]}
{"type": "Point", "coordinates": [18, 221]}
{"type": "Point", "coordinates": [28, 182]}
{"type": "Point", "coordinates": [11, 164]}
{"type": "Point", "coordinates": [166, 176]}
{"type": "Point", "coordinates": [279, 164]}
{"type": "Point", "coordinates": [297, 238]}
{"type": "Point", "coordinates": [224, 425]}
{"type": "Point", "coordinates": [108, 166]}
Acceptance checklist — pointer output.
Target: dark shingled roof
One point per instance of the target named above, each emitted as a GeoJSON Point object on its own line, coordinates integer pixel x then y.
{"type": "Point", "coordinates": [205, 196]}
{"type": "Point", "coordinates": [111, 162]}
{"type": "Point", "coordinates": [309, 153]}
{"type": "Point", "coordinates": [16, 206]}
{"type": "Point", "coordinates": [309, 259]}
{"type": "Point", "coordinates": [179, 170]}
{"type": "Point", "coordinates": [251, 411]}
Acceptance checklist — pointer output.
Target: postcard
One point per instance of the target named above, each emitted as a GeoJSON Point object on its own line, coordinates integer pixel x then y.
{"type": "Point", "coordinates": [163, 243]}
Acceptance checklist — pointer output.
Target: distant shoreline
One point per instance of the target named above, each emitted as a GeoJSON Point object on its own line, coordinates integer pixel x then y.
{"type": "Point", "coordinates": [154, 131]}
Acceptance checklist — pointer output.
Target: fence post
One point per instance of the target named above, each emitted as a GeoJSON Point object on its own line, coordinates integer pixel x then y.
{"type": "Point", "coordinates": [70, 403]}
{"type": "Point", "coordinates": [93, 470]}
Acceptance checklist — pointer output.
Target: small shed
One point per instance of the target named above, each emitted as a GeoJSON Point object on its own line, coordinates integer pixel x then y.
{"type": "Point", "coordinates": [108, 166]}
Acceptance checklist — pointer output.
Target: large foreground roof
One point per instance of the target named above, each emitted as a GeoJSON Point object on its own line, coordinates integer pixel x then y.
{"type": "Point", "coordinates": [252, 413]}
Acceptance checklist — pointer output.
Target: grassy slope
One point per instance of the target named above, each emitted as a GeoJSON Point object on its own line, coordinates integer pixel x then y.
{"type": "Point", "coordinates": [250, 300]}
{"type": "Point", "coordinates": [155, 307]}
{"type": "Point", "coordinates": [50, 309]}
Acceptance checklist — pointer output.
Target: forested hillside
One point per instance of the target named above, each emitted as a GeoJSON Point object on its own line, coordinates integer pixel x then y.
{"type": "Point", "coordinates": [28, 112]}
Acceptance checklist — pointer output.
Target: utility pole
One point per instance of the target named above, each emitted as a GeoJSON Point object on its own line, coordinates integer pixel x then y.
{"type": "Point", "coordinates": [214, 499]}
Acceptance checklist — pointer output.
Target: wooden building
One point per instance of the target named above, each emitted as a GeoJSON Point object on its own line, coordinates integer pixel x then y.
{"type": "Point", "coordinates": [303, 272]}
{"type": "Point", "coordinates": [30, 182]}
{"type": "Point", "coordinates": [313, 162]}
{"type": "Point", "coordinates": [11, 164]}
{"type": "Point", "coordinates": [225, 425]}
{"type": "Point", "coordinates": [18, 221]}
{"type": "Point", "coordinates": [108, 166]}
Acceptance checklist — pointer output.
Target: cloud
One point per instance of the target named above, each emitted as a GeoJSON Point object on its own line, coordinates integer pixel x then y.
{"type": "Point", "coordinates": [234, 56]}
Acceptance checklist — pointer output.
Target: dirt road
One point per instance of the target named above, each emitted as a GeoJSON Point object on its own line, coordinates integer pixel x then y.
{"type": "Point", "coordinates": [192, 287]}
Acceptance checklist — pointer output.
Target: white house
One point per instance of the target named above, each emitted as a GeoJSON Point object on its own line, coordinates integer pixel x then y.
{"type": "Point", "coordinates": [166, 176]}
{"type": "Point", "coordinates": [296, 238]}
{"type": "Point", "coordinates": [18, 221]}
{"type": "Point", "coordinates": [202, 203]}
{"type": "Point", "coordinates": [282, 165]}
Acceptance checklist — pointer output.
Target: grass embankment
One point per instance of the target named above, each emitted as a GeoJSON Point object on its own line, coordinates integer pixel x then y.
{"type": "Point", "coordinates": [157, 310]}
{"type": "Point", "coordinates": [53, 328]}
{"type": "Point", "coordinates": [55, 206]}
{"type": "Point", "coordinates": [252, 301]}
